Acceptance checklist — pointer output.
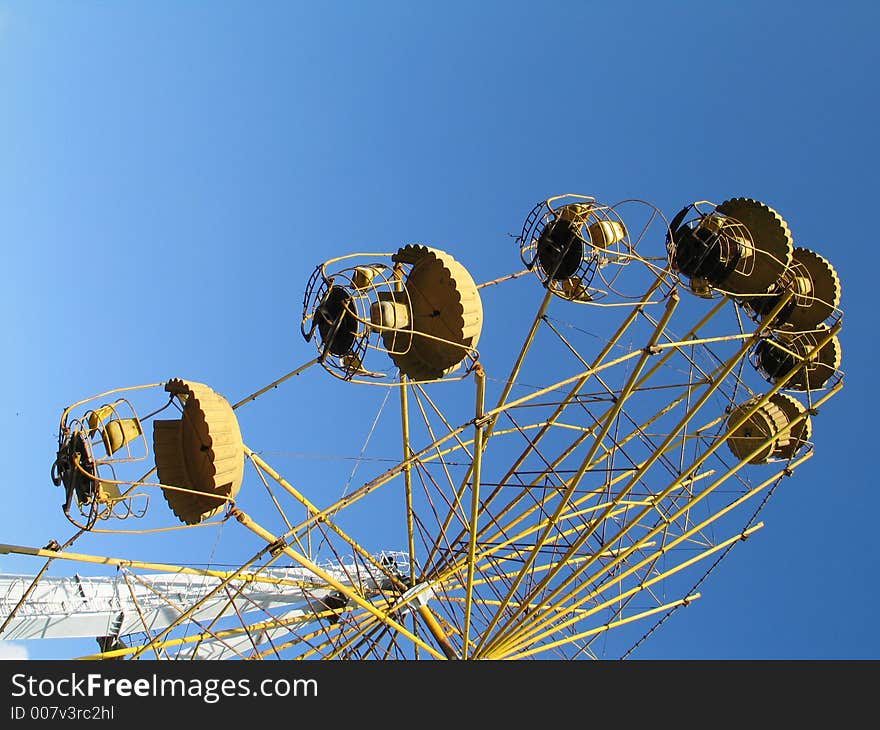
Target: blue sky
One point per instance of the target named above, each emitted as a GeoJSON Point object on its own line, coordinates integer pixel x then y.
{"type": "Point", "coordinates": [171, 173]}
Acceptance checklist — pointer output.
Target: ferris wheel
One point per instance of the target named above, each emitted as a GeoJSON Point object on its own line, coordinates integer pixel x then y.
{"type": "Point", "coordinates": [561, 500]}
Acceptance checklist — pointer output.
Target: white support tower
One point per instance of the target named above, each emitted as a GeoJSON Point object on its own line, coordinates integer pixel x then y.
{"type": "Point", "coordinates": [241, 617]}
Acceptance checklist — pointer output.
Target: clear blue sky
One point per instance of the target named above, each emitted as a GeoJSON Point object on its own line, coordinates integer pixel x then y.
{"type": "Point", "coordinates": [171, 173]}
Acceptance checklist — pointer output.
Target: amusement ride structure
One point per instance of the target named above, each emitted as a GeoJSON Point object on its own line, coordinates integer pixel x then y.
{"type": "Point", "coordinates": [669, 382]}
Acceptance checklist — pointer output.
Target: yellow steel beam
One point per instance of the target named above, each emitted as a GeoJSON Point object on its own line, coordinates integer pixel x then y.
{"type": "Point", "coordinates": [543, 618]}
{"type": "Point", "coordinates": [491, 550]}
{"type": "Point", "coordinates": [462, 444]}
{"type": "Point", "coordinates": [275, 500]}
{"type": "Point", "coordinates": [140, 613]}
{"type": "Point", "coordinates": [575, 576]}
{"type": "Point", "coordinates": [526, 513]}
{"type": "Point", "coordinates": [140, 565]}
{"type": "Point", "coordinates": [601, 629]}
{"type": "Point", "coordinates": [455, 501]}
{"type": "Point", "coordinates": [352, 594]}
{"type": "Point", "coordinates": [225, 577]}
{"type": "Point", "coordinates": [407, 475]}
{"type": "Point", "coordinates": [362, 625]}
{"type": "Point", "coordinates": [520, 358]}
{"type": "Point", "coordinates": [593, 368]}
{"type": "Point", "coordinates": [457, 491]}
{"type": "Point", "coordinates": [423, 455]}
{"type": "Point", "coordinates": [608, 420]}
{"type": "Point", "coordinates": [200, 637]}
{"type": "Point", "coordinates": [496, 576]}
{"type": "Point", "coordinates": [564, 455]}
{"type": "Point", "coordinates": [502, 279]}
{"type": "Point", "coordinates": [276, 383]}
{"type": "Point", "coordinates": [423, 610]}
{"type": "Point", "coordinates": [70, 541]}
{"type": "Point", "coordinates": [579, 380]}
{"type": "Point", "coordinates": [708, 392]}
{"type": "Point", "coordinates": [607, 452]}
{"type": "Point", "coordinates": [523, 639]}
{"type": "Point", "coordinates": [480, 378]}
{"type": "Point", "coordinates": [502, 399]}
{"type": "Point", "coordinates": [184, 613]}
{"type": "Point", "coordinates": [310, 507]}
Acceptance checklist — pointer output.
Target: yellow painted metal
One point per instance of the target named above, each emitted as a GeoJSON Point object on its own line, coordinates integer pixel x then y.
{"type": "Point", "coordinates": [579, 382]}
{"type": "Point", "coordinates": [65, 414]}
{"type": "Point", "coordinates": [756, 434]}
{"type": "Point", "coordinates": [769, 251]}
{"type": "Point", "coordinates": [140, 614]}
{"type": "Point", "coordinates": [424, 454]}
{"type": "Point", "coordinates": [505, 392]}
{"type": "Point", "coordinates": [352, 595]}
{"type": "Point", "coordinates": [577, 213]}
{"type": "Point", "coordinates": [184, 614]}
{"type": "Point", "coordinates": [275, 501]}
{"type": "Point", "coordinates": [462, 444]}
{"type": "Point", "coordinates": [587, 534]}
{"type": "Point", "coordinates": [480, 378]}
{"type": "Point", "coordinates": [534, 631]}
{"type": "Point", "coordinates": [288, 487]}
{"type": "Point", "coordinates": [103, 512]}
{"type": "Point", "coordinates": [816, 365]}
{"type": "Point", "coordinates": [456, 507]}
{"type": "Point", "coordinates": [202, 636]}
{"type": "Point", "coordinates": [568, 514]}
{"type": "Point", "coordinates": [339, 644]}
{"type": "Point", "coordinates": [142, 565]}
{"type": "Point", "coordinates": [437, 632]}
{"type": "Point", "coordinates": [604, 233]}
{"type": "Point", "coordinates": [423, 610]}
{"type": "Point", "coordinates": [577, 575]}
{"type": "Point", "coordinates": [526, 513]}
{"type": "Point", "coordinates": [606, 627]}
{"type": "Point", "coordinates": [601, 231]}
{"type": "Point", "coordinates": [407, 476]}
{"type": "Point", "coordinates": [520, 358]}
{"type": "Point", "coordinates": [97, 417]}
{"type": "Point", "coordinates": [363, 276]}
{"type": "Point", "coordinates": [582, 379]}
{"type": "Point", "coordinates": [118, 432]}
{"type": "Point", "coordinates": [153, 530]}
{"type": "Point", "coordinates": [617, 507]}
{"type": "Point", "coordinates": [386, 314]}
{"type": "Point", "coordinates": [798, 436]}
{"type": "Point", "coordinates": [817, 291]}
{"type": "Point", "coordinates": [498, 576]}
{"type": "Point", "coordinates": [607, 422]}
{"type": "Point", "coordinates": [201, 454]}
{"type": "Point", "coordinates": [446, 315]}
{"type": "Point", "coordinates": [545, 612]}
{"type": "Point", "coordinates": [592, 370]}
{"type": "Point", "coordinates": [275, 383]}
{"type": "Point", "coordinates": [502, 279]}
{"type": "Point", "coordinates": [311, 508]}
